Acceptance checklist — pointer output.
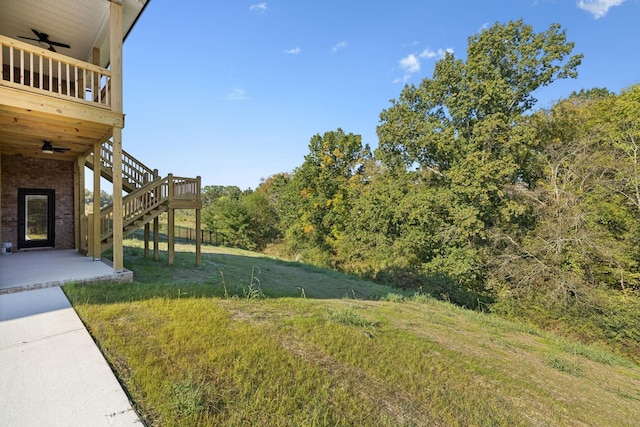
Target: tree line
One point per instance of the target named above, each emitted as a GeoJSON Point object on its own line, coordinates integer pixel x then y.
{"type": "Point", "coordinates": [473, 195]}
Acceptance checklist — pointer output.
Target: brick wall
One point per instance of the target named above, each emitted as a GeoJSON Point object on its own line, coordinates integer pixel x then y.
{"type": "Point", "coordinates": [38, 173]}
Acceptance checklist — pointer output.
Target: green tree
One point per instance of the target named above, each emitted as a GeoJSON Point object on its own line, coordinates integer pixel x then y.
{"type": "Point", "coordinates": [211, 193]}
{"type": "Point", "coordinates": [586, 224]}
{"type": "Point", "coordinates": [465, 129]}
{"type": "Point", "coordinates": [282, 198]}
{"type": "Point", "coordinates": [320, 187]}
{"type": "Point", "coordinates": [244, 220]}
{"type": "Point", "coordinates": [617, 124]}
{"type": "Point", "coordinates": [106, 199]}
{"type": "Point", "coordinates": [262, 219]}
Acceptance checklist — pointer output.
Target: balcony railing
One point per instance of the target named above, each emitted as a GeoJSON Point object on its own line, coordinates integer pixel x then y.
{"type": "Point", "coordinates": [31, 68]}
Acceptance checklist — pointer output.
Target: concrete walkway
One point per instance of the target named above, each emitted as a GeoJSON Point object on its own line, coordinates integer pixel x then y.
{"type": "Point", "coordinates": [51, 371]}
{"type": "Point", "coordinates": [28, 270]}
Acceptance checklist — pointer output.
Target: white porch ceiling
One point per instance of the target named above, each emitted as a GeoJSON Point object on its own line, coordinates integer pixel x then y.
{"type": "Point", "coordinates": [82, 24]}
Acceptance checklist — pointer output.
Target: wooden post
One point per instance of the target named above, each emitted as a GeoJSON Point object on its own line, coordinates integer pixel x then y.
{"type": "Point", "coordinates": [156, 239]}
{"type": "Point", "coordinates": [118, 221]}
{"type": "Point", "coordinates": [115, 55]}
{"type": "Point", "coordinates": [146, 240]}
{"type": "Point", "coordinates": [78, 201]}
{"type": "Point", "coordinates": [198, 226]}
{"type": "Point", "coordinates": [76, 206]}
{"type": "Point", "coordinates": [170, 223]}
{"type": "Point", "coordinates": [95, 87]}
{"type": "Point", "coordinates": [96, 250]}
{"type": "Point", "coordinates": [0, 187]}
{"type": "Point", "coordinates": [90, 236]}
{"type": "Point", "coordinates": [80, 165]}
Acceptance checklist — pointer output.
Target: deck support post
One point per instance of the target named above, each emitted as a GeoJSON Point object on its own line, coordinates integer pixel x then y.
{"type": "Point", "coordinates": [118, 221]}
{"type": "Point", "coordinates": [146, 240]}
{"type": "Point", "coordinates": [95, 249]}
{"type": "Point", "coordinates": [0, 197]}
{"type": "Point", "coordinates": [171, 222]}
{"type": "Point", "coordinates": [156, 238]}
{"type": "Point", "coordinates": [78, 204]}
{"type": "Point", "coordinates": [115, 55]}
{"type": "Point", "coordinates": [199, 225]}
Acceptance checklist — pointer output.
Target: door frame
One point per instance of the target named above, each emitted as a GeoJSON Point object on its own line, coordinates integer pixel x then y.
{"type": "Point", "coordinates": [23, 243]}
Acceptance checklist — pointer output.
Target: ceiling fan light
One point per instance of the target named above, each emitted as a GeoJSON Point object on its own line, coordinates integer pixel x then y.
{"type": "Point", "coordinates": [47, 148]}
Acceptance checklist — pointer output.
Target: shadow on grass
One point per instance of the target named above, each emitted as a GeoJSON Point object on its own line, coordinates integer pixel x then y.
{"type": "Point", "coordinates": [438, 286]}
{"type": "Point", "coordinates": [235, 273]}
{"type": "Point", "coordinates": [224, 273]}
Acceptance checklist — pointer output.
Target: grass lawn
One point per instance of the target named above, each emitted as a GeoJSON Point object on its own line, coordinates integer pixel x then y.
{"type": "Point", "coordinates": [250, 340]}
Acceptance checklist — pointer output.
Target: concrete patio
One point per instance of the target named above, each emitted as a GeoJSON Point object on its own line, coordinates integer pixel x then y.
{"type": "Point", "coordinates": [28, 270]}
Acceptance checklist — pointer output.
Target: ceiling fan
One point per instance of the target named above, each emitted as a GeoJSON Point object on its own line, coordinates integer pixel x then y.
{"type": "Point", "coordinates": [43, 41]}
{"type": "Point", "coordinates": [50, 149]}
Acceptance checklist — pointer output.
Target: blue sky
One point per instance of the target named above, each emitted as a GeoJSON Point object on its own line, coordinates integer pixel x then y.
{"type": "Point", "coordinates": [233, 90]}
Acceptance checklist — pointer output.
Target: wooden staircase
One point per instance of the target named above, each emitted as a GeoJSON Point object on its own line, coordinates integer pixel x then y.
{"type": "Point", "coordinates": [134, 173]}
{"type": "Point", "coordinates": [149, 195]}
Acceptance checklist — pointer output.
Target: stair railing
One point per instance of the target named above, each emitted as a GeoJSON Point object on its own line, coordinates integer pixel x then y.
{"type": "Point", "coordinates": [135, 205]}
{"type": "Point", "coordinates": [133, 171]}
{"type": "Point", "coordinates": [140, 202]}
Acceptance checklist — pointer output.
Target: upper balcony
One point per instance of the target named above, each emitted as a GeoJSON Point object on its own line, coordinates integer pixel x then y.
{"type": "Point", "coordinates": [45, 95]}
{"type": "Point", "coordinates": [39, 71]}
{"type": "Point", "coordinates": [71, 96]}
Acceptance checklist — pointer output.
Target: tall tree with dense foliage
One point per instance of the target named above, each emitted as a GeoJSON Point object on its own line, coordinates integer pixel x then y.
{"type": "Point", "coordinates": [586, 221]}
{"type": "Point", "coordinates": [462, 132]}
{"type": "Point", "coordinates": [321, 184]}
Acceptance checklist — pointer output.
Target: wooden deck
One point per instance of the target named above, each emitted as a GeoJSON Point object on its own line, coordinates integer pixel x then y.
{"type": "Point", "coordinates": [77, 105]}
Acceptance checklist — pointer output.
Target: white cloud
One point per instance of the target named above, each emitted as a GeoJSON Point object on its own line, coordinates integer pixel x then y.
{"type": "Point", "coordinates": [338, 46]}
{"type": "Point", "coordinates": [410, 64]}
{"type": "Point", "coordinates": [430, 54]}
{"type": "Point", "coordinates": [294, 51]}
{"type": "Point", "coordinates": [237, 95]}
{"type": "Point", "coordinates": [258, 7]}
{"type": "Point", "coordinates": [598, 8]}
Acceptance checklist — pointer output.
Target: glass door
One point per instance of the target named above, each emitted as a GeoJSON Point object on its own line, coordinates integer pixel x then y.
{"type": "Point", "coordinates": [36, 213]}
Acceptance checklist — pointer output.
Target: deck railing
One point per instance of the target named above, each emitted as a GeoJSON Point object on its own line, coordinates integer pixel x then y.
{"type": "Point", "coordinates": [144, 200]}
{"type": "Point", "coordinates": [185, 188]}
{"type": "Point", "coordinates": [31, 68]}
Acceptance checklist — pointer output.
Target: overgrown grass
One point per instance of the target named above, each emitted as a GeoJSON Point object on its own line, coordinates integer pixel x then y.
{"type": "Point", "coordinates": [193, 346]}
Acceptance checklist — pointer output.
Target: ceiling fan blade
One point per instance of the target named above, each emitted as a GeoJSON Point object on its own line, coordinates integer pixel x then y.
{"type": "Point", "coordinates": [59, 44]}
{"type": "Point", "coordinates": [29, 38]}
{"type": "Point", "coordinates": [51, 48]}
{"type": "Point", "coordinates": [47, 147]}
{"type": "Point", "coordinates": [40, 36]}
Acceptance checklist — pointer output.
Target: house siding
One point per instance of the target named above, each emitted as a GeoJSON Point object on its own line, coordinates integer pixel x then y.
{"type": "Point", "coordinates": [38, 173]}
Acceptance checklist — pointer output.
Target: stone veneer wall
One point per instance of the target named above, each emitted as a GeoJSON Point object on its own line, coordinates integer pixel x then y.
{"type": "Point", "coordinates": [38, 173]}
